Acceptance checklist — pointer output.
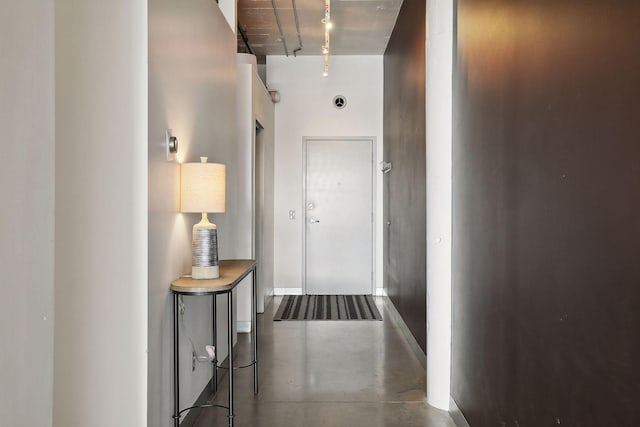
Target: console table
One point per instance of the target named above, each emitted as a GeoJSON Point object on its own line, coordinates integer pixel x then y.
{"type": "Point", "coordinates": [231, 274]}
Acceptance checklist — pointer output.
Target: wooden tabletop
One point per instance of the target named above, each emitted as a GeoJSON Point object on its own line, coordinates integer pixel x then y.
{"type": "Point", "coordinates": [232, 271]}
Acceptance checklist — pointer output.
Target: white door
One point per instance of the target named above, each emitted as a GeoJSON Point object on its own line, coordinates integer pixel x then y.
{"type": "Point", "coordinates": [339, 216]}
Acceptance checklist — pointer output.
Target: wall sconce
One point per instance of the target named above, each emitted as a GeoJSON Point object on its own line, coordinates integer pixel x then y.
{"type": "Point", "coordinates": [386, 166]}
{"type": "Point", "coordinates": [171, 146]}
{"type": "Point", "coordinates": [275, 96]}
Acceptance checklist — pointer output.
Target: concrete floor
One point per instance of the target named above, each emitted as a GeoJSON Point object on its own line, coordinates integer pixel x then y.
{"type": "Point", "coordinates": [328, 373]}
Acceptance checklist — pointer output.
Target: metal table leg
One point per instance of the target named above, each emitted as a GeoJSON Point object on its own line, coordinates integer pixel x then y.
{"type": "Point", "coordinates": [176, 364]}
{"type": "Point", "coordinates": [230, 351]}
{"type": "Point", "coordinates": [214, 329]}
{"type": "Point", "coordinates": [254, 330]}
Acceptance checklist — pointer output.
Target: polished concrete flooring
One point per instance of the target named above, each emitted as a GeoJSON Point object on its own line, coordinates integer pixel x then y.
{"type": "Point", "coordinates": [328, 373]}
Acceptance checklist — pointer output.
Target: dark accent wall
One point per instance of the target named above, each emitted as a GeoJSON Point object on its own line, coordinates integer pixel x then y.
{"type": "Point", "coordinates": [405, 185]}
{"type": "Point", "coordinates": [546, 202]}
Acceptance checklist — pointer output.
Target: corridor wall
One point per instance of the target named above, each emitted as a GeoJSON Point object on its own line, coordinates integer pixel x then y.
{"type": "Point", "coordinates": [546, 309]}
{"type": "Point", "coordinates": [405, 235]}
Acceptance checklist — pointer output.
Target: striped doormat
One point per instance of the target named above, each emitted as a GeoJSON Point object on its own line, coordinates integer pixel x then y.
{"type": "Point", "coordinates": [327, 307]}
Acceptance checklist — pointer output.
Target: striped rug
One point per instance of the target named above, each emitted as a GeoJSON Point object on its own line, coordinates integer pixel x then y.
{"type": "Point", "coordinates": [327, 307]}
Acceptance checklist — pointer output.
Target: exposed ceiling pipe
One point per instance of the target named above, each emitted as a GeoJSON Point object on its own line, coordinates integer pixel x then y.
{"type": "Point", "coordinates": [284, 42]}
{"type": "Point", "coordinates": [295, 16]}
{"type": "Point", "coordinates": [245, 39]}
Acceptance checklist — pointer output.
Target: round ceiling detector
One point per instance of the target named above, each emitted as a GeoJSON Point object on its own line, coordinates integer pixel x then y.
{"type": "Point", "coordinates": [339, 101]}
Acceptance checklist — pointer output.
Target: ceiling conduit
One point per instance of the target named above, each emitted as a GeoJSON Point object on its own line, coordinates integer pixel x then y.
{"type": "Point", "coordinates": [284, 42]}
{"type": "Point", "coordinates": [295, 16]}
{"type": "Point", "coordinates": [245, 39]}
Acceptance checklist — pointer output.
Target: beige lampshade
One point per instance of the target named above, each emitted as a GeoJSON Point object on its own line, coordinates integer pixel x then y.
{"type": "Point", "coordinates": [203, 187]}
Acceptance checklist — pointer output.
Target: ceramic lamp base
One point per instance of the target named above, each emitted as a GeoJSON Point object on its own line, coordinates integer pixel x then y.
{"type": "Point", "coordinates": [205, 272]}
{"type": "Point", "coordinates": [204, 250]}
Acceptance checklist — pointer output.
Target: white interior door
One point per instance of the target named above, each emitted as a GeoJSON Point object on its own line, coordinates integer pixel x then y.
{"type": "Point", "coordinates": [339, 216]}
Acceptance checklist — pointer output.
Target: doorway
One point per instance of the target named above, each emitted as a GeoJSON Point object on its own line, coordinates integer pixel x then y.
{"type": "Point", "coordinates": [339, 216]}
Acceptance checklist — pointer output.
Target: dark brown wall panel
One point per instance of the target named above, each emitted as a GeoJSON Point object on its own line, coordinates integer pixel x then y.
{"type": "Point", "coordinates": [404, 186]}
{"type": "Point", "coordinates": [546, 201]}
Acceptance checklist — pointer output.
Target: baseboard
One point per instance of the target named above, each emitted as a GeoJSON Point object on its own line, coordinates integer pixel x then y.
{"type": "Point", "coordinates": [379, 292]}
{"type": "Point", "coordinates": [413, 344]}
{"type": "Point", "coordinates": [456, 414]}
{"type": "Point", "coordinates": [287, 291]}
{"type": "Point", "coordinates": [243, 327]}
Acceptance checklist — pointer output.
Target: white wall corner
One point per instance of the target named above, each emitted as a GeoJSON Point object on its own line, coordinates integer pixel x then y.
{"type": "Point", "coordinates": [380, 292]}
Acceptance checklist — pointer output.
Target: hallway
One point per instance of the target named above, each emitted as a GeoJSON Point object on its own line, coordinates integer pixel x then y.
{"type": "Point", "coordinates": [340, 373]}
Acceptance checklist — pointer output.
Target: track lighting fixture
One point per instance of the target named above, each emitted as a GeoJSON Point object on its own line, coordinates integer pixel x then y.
{"type": "Point", "coordinates": [327, 26]}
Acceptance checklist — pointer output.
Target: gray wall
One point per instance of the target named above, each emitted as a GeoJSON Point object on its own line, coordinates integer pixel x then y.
{"type": "Point", "coordinates": [26, 217]}
{"type": "Point", "coordinates": [192, 90]}
{"type": "Point", "coordinates": [546, 306]}
{"type": "Point", "coordinates": [100, 355]}
{"type": "Point", "coordinates": [405, 186]}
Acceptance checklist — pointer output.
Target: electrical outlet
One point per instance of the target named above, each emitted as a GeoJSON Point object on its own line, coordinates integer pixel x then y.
{"type": "Point", "coordinates": [211, 351]}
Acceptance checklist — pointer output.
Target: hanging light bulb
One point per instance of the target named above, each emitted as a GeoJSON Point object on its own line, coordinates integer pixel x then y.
{"type": "Point", "coordinates": [326, 66]}
{"type": "Point", "coordinates": [325, 50]}
{"type": "Point", "coordinates": [328, 25]}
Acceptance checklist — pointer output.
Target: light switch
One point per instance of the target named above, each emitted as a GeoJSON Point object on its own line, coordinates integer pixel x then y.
{"type": "Point", "coordinates": [292, 215]}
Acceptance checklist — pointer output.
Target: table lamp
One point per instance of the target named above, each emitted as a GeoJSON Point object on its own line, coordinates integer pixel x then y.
{"type": "Point", "coordinates": [202, 188]}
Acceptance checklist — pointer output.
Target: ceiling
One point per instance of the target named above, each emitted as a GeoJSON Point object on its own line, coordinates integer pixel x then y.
{"type": "Point", "coordinates": [360, 27]}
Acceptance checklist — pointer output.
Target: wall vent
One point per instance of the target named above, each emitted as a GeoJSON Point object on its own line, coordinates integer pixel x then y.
{"type": "Point", "coordinates": [339, 101]}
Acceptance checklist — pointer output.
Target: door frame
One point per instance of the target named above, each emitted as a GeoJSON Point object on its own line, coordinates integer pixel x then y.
{"type": "Point", "coordinates": [374, 191]}
{"type": "Point", "coordinates": [257, 154]}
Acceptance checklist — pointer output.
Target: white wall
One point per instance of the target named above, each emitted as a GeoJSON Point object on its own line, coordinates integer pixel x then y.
{"type": "Point", "coordinates": [264, 112]}
{"type": "Point", "coordinates": [254, 105]}
{"type": "Point", "coordinates": [27, 214]}
{"type": "Point", "coordinates": [100, 360]}
{"type": "Point", "coordinates": [229, 10]}
{"type": "Point", "coordinates": [306, 109]}
{"type": "Point", "coordinates": [192, 90]}
{"type": "Point", "coordinates": [439, 113]}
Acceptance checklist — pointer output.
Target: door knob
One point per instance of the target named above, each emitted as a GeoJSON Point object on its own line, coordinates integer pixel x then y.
{"type": "Point", "coordinates": [314, 221]}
